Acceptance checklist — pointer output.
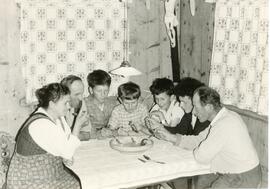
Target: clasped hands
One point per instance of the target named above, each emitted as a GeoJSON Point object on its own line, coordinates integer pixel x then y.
{"type": "Point", "coordinates": [157, 128]}
{"type": "Point", "coordinates": [83, 119]}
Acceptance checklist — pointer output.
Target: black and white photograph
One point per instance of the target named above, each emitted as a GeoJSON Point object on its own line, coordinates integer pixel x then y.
{"type": "Point", "coordinates": [134, 94]}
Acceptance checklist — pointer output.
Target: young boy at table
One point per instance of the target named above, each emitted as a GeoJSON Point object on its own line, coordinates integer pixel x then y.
{"type": "Point", "coordinates": [128, 117]}
{"type": "Point", "coordinates": [99, 104]}
{"type": "Point", "coordinates": [167, 109]}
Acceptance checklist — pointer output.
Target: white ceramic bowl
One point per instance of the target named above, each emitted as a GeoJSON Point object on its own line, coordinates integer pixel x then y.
{"type": "Point", "coordinates": [131, 144]}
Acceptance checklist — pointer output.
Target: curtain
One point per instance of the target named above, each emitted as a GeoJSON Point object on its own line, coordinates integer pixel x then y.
{"type": "Point", "coordinates": [64, 37]}
{"type": "Point", "coordinates": [239, 67]}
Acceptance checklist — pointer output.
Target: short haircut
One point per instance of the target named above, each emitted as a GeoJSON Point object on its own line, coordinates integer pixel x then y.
{"type": "Point", "coordinates": [68, 80]}
{"type": "Point", "coordinates": [129, 91]}
{"type": "Point", "coordinates": [162, 85]}
{"type": "Point", "coordinates": [208, 95]}
{"type": "Point", "coordinates": [187, 86]}
{"type": "Point", "coordinates": [51, 92]}
{"type": "Point", "coordinates": [98, 77]}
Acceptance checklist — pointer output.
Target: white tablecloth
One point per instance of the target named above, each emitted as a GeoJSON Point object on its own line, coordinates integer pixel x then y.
{"type": "Point", "coordinates": [100, 167]}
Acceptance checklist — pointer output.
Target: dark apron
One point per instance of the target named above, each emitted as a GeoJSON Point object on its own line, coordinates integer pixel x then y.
{"type": "Point", "coordinates": [33, 168]}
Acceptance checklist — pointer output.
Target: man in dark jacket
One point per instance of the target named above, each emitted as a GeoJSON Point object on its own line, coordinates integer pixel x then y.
{"type": "Point", "coordinates": [189, 124]}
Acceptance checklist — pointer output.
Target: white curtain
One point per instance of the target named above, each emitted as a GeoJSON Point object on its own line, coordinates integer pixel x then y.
{"type": "Point", "coordinates": [64, 37]}
{"type": "Point", "coordinates": [239, 67]}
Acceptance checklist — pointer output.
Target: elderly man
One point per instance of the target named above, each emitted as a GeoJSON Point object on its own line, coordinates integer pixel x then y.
{"type": "Point", "coordinates": [78, 112]}
{"type": "Point", "coordinates": [225, 144]}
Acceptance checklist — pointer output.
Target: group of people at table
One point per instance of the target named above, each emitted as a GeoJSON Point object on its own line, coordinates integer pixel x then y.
{"type": "Point", "coordinates": [188, 114]}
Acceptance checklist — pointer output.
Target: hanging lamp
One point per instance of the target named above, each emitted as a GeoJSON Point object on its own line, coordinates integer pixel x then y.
{"type": "Point", "coordinates": [125, 69]}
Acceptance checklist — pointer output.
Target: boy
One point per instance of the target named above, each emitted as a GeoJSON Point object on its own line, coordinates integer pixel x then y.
{"type": "Point", "coordinates": [99, 104]}
{"type": "Point", "coordinates": [128, 117]}
{"type": "Point", "coordinates": [167, 109]}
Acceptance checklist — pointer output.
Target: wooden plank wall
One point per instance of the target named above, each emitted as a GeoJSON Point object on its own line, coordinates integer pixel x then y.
{"type": "Point", "coordinates": [196, 38]}
{"type": "Point", "coordinates": [258, 131]}
{"type": "Point", "coordinates": [149, 44]}
{"type": "Point", "coordinates": [13, 109]}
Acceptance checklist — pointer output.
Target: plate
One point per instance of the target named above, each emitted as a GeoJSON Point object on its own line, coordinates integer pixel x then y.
{"type": "Point", "coordinates": [131, 144]}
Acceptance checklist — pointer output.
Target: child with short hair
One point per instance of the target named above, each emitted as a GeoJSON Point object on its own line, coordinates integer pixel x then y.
{"type": "Point", "coordinates": [99, 104]}
{"type": "Point", "coordinates": [128, 117]}
{"type": "Point", "coordinates": [167, 109]}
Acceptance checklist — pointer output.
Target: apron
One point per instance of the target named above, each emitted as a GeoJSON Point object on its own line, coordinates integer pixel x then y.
{"type": "Point", "coordinates": [39, 170]}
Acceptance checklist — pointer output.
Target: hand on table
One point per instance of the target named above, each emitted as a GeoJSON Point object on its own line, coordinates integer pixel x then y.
{"type": "Point", "coordinates": [152, 123]}
{"type": "Point", "coordinates": [135, 126]}
{"type": "Point", "coordinates": [106, 132]}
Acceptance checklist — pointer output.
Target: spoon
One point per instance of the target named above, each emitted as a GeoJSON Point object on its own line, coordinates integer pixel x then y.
{"type": "Point", "coordinates": [149, 159]}
{"type": "Point", "coordinates": [144, 140]}
{"type": "Point", "coordinates": [133, 127]}
{"type": "Point", "coordinates": [117, 140]}
{"type": "Point", "coordinates": [142, 160]}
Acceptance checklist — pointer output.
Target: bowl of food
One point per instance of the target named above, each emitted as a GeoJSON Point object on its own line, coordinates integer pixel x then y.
{"type": "Point", "coordinates": [131, 144]}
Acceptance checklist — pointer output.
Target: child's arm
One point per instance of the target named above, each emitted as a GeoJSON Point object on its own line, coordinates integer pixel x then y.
{"type": "Point", "coordinates": [159, 116]}
{"type": "Point", "coordinates": [114, 120]}
{"type": "Point", "coordinates": [174, 122]}
{"type": "Point", "coordinates": [176, 115]}
{"type": "Point", "coordinates": [112, 126]}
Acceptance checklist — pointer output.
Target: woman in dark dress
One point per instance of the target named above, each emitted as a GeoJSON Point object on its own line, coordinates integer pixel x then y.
{"type": "Point", "coordinates": [43, 142]}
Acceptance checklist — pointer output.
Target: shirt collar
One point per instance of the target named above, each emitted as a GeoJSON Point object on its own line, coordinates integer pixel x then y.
{"type": "Point", "coordinates": [42, 110]}
{"type": "Point", "coordinates": [172, 104]}
{"type": "Point", "coordinates": [219, 115]}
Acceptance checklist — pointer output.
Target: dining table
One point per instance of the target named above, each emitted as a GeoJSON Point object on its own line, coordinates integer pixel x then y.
{"type": "Point", "coordinates": [100, 167]}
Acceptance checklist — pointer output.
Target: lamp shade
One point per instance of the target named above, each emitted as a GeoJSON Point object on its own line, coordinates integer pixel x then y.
{"type": "Point", "coordinates": [125, 69]}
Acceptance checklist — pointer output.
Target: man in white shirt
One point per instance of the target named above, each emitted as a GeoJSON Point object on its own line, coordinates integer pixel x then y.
{"type": "Point", "coordinates": [78, 112]}
{"type": "Point", "coordinates": [225, 144]}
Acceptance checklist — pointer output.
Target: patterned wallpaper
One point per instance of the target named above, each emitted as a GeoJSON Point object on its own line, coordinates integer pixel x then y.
{"type": "Point", "coordinates": [239, 67]}
{"type": "Point", "coordinates": [61, 39]}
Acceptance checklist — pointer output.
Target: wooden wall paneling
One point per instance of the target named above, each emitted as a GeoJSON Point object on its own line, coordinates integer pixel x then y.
{"type": "Point", "coordinates": [153, 41]}
{"type": "Point", "coordinates": [196, 36]}
{"type": "Point", "coordinates": [189, 41]}
{"type": "Point", "coordinates": [137, 15]}
{"type": "Point", "coordinates": [15, 111]}
{"type": "Point", "coordinates": [148, 42]}
{"type": "Point", "coordinates": [3, 32]}
{"type": "Point", "coordinates": [164, 49]}
{"type": "Point", "coordinates": [258, 130]}
{"type": "Point", "coordinates": [207, 16]}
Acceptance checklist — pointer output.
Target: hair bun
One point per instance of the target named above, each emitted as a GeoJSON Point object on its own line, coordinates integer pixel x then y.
{"type": "Point", "coordinates": [41, 95]}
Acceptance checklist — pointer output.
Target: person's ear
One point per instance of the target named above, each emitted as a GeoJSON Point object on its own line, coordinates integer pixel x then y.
{"type": "Point", "coordinates": [90, 90]}
{"type": "Point", "coordinates": [172, 97]}
{"type": "Point", "coordinates": [51, 104]}
{"type": "Point", "coordinates": [209, 107]}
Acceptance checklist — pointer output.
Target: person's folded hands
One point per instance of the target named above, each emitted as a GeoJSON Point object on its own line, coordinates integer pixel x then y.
{"type": "Point", "coordinates": [106, 132]}
{"type": "Point", "coordinates": [83, 119]}
{"type": "Point", "coordinates": [154, 124]}
{"type": "Point", "coordinates": [162, 133]}
{"type": "Point", "coordinates": [158, 115]}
